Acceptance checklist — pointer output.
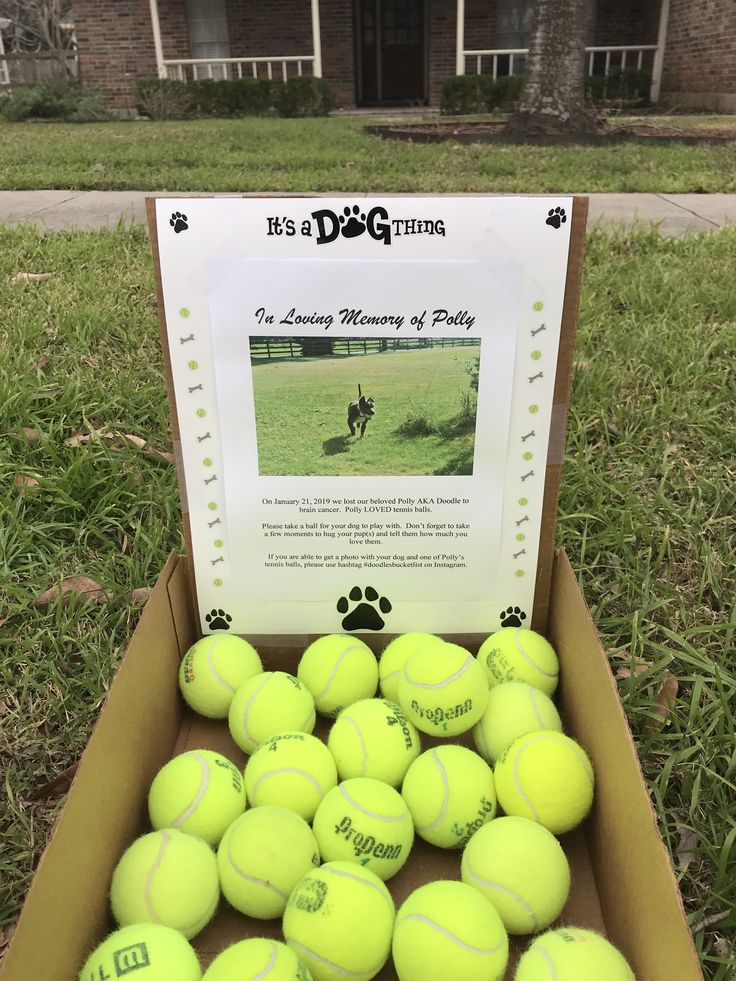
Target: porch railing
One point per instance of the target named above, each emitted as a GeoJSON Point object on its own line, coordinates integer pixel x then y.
{"type": "Point", "coordinates": [279, 67]}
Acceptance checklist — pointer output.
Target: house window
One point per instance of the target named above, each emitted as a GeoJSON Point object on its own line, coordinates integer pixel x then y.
{"type": "Point", "coordinates": [208, 36]}
{"type": "Point", "coordinates": [514, 23]}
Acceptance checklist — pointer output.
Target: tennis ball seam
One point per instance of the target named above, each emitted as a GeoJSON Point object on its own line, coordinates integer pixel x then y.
{"type": "Point", "coordinates": [211, 664]}
{"type": "Point", "coordinates": [246, 708]}
{"type": "Point", "coordinates": [198, 797]}
{"type": "Point", "coordinates": [335, 668]}
{"type": "Point", "coordinates": [148, 898]}
{"type": "Point", "coordinates": [509, 892]}
{"type": "Point", "coordinates": [451, 936]}
{"type": "Point", "coordinates": [343, 873]}
{"type": "Point", "coordinates": [286, 769]}
{"type": "Point", "coordinates": [445, 799]}
{"type": "Point", "coordinates": [256, 881]}
{"type": "Point", "coordinates": [535, 708]}
{"type": "Point", "coordinates": [440, 684]}
{"type": "Point", "coordinates": [532, 738]}
{"type": "Point", "coordinates": [371, 814]}
{"type": "Point", "coordinates": [308, 952]}
{"type": "Point", "coordinates": [522, 792]}
{"type": "Point", "coordinates": [548, 958]}
{"type": "Point", "coordinates": [529, 660]}
{"type": "Point", "coordinates": [363, 746]}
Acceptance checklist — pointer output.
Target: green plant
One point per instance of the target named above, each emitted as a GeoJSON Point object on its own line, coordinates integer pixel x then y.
{"type": "Point", "coordinates": [505, 92]}
{"type": "Point", "coordinates": [629, 86]}
{"type": "Point", "coordinates": [466, 95]}
{"type": "Point", "coordinates": [163, 98]}
{"type": "Point", "coordinates": [56, 100]}
{"type": "Point", "coordinates": [240, 97]}
{"type": "Point", "coordinates": [304, 96]}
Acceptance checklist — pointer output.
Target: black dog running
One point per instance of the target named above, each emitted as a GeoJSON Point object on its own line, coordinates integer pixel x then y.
{"type": "Point", "coordinates": [360, 412]}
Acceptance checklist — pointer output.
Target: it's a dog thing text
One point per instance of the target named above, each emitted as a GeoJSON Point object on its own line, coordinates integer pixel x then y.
{"type": "Point", "coordinates": [357, 317]}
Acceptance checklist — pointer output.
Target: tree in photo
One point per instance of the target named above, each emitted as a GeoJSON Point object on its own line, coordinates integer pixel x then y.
{"type": "Point", "coordinates": [37, 25]}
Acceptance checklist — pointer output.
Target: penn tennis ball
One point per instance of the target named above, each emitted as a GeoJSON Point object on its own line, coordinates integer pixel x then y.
{"type": "Point", "coordinates": [261, 858]}
{"type": "Point", "coordinates": [514, 654]}
{"type": "Point", "coordinates": [257, 959]}
{"type": "Point", "coordinates": [449, 792]}
{"type": "Point", "coordinates": [396, 655]}
{"type": "Point", "coordinates": [212, 671]}
{"type": "Point", "coordinates": [446, 929]}
{"type": "Point", "coordinates": [514, 709]}
{"type": "Point", "coordinates": [293, 770]}
{"type": "Point", "coordinates": [339, 921]}
{"type": "Point", "coordinates": [443, 689]}
{"type": "Point", "coordinates": [373, 738]}
{"type": "Point", "coordinates": [158, 952]}
{"type": "Point", "coordinates": [267, 704]}
{"type": "Point", "coordinates": [569, 954]}
{"type": "Point", "coordinates": [521, 868]}
{"type": "Point", "coordinates": [199, 792]}
{"type": "Point", "coordinates": [338, 670]}
{"type": "Point", "coordinates": [166, 877]}
{"type": "Point", "coordinates": [365, 821]}
{"type": "Point", "coordinates": [546, 777]}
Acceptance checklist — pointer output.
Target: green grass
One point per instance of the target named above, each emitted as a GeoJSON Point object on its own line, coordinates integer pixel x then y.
{"type": "Point", "coordinates": [334, 154]}
{"type": "Point", "coordinates": [420, 426]}
{"type": "Point", "coordinates": [646, 513]}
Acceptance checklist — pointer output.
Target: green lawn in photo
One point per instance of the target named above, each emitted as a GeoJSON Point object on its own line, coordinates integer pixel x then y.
{"type": "Point", "coordinates": [424, 421]}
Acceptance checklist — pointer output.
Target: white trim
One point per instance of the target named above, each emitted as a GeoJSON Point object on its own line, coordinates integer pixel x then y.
{"type": "Point", "coordinates": [157, 39]}
{"type": "Point", "coordinates": [460, 40]}
{"type": "Point", "coordinates": [664, 17]}
{"type": "Point", "coordinates": [316, 40]}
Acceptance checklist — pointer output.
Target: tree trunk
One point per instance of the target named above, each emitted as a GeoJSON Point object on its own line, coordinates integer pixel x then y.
{"type": "Point", "coordinates": [552, 100]}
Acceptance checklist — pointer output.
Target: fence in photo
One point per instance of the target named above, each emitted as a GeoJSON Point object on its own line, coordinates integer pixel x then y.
{"type": "Point", "coordinates": [271, 348]}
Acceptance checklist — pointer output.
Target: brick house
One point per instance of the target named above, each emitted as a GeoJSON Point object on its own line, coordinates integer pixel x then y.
{"type": "Point", "coordinates": [397, 52]}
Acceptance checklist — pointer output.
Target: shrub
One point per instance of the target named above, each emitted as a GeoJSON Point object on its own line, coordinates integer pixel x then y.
{"type": "Point", "coordinates": [240, 97]}
{"type": "Point", "coordinates": [629, 86]}
{"type": "Point", "coordinates": [465, 95]}
{"type": "Point", "coordinates": [56, 100]}
{"type": "Point", "coordinates": [163, 98]}
{"type": "Point", "coordinates": [505, 92]}
{"type": "Point", "coordinates": [304, 96]}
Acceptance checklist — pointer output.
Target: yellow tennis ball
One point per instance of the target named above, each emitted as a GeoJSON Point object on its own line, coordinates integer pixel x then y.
{"type": "Point", "coordinates": [521, 868]}
{"type": "Point", "coordinates": [449, 792]}
{"type": "Point", "coordinates": [338, 670]}
{"type": "Point", "coordinates": [269, 703]}
{"type": "Point", "coordinates": [514, 709]}
{"type": "Point", "coordinates": [212, 671]}
{"type": "Point", "coordinates": [261, 858]}
{"type": "Point", "coordinates": [339, 920]}
{"type": "Point", "coordinates": [293, 770]}
{"type": "Point", "coordinates": [395, 656]}
{"type": "Point", "coordinates": [150, 951]}
{"type": "Point", "coordinates": [166, 877]}
{"type": "Point", "coordinates": [257, 959]}
{"type": "Point", "coordinates": [199, 792]}
{"type": "Point", "coordinates": [445, 930]}
{"type": "Point", "coordinates": [514, 654]}
{"type": "Point", "coordinates": [373, 738]}
{"type": "Point", "coordinates": [365, 821]}
{"type": "Point", "coordinates": [569, 954]}
{"type": "Point", "coordinates": [546, 777]}
{"type": "Point", "coordinates": [443, 689]}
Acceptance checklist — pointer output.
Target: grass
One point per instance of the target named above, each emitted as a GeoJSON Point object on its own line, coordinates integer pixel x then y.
{"type": "Point", "coordinates": [646, 514]}
{"type": "Point", "coordinates": [335, 155]}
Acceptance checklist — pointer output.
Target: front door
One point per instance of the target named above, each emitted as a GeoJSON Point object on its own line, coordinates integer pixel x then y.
{"type": "Point", "coordinates": [391, 51]}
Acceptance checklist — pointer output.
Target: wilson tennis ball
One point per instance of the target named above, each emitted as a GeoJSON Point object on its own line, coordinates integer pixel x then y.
{"type": "Point", "coordinates": [443, 689]}
{"type": "Point", "coordinates": [153, 952]}
{"type": "Point", "coordinates": [339, 920]}
{"type": "Point", "coordinates": [365, 821]}
{"type": "Point", "coordinates": [449, 792]}
{"type": "Point", "coordinates": [257, 959]}
{"type": "Point", "coordinates": [166, 877]}
{"type": "Point", "coordinates": [269, 703]}
{"type": "Point", "coordinates": [521, 868]}
{"type": "Point", "coordinates": [513, 654]}
{"type": "Point", "coordinates": [373, 738]}
{"type": "Point", "coordinates": [212, 671]}
{"type": "Point", "coordinates": [569, 954]}
{"type": "Point", "coordinates": [293, 770]}
{"type": "Point", "coordinates": [449, 930]}
{"type": "Point", "coordinates": [546, 777]}
{"type": "Point", "coordinates": [396, 655]}
{"type": "Point", "coordinates": [199, 792]}
{"type": "Point", "coordinates": [514, 709]}
{"type": "Point", "coordinates": [262, 857]}
{"type": "Point", "coordinates": [338, 670]}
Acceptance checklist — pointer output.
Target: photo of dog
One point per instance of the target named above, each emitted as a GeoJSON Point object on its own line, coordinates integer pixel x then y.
{"type": "Point", "coordinates": [360, 412]}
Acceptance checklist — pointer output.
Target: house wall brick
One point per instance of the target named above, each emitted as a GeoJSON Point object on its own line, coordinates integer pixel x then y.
{"type": "Point", "coordinates": [700, 55]}
{"type": "Point", "coordinates": [441, 38]}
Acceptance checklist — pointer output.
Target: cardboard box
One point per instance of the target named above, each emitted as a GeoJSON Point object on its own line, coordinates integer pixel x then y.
{"type": "Point", "coordinates": [623, 883]}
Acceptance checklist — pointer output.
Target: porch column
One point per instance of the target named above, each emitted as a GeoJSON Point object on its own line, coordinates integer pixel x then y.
{"type": "Point", "coordinates": [664, 17]}
{"type": "Point", "coordinates": [460, 39]}
{"type": "Point", "coordinates": [316, 41]}
{"type": "Point", "coordinates": [157, 39]}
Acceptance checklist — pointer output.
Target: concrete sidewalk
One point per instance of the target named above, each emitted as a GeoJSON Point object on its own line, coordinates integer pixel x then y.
{"type": "Point", "coordinates": [56, 210]}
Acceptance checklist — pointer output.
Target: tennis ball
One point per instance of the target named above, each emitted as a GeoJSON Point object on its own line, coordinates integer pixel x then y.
{"type": "Point", "coordinates": [547, 777]}
{"type": "Point", "coordinates": [152, 952]}
{"type": "Point", "coordinates": [257, 959]}
{"type": "Point", "coordinates": [293, 770]}
{"type": "Point", "coordinates": [365, 821]}
{"type": "Point", "coordinates": [267, 704]}
{"type": "Point", "coordinates": [338, 670]}
{"type": "Point", "coordinates": [396, 655]}
{"type": "Point", "coordinates": [449, 930]}
{"type": "Point", "coordinates": [449, 793]}
{"type": "Point", "coordinates": [443, 689]}
{"type": "Point", "coordinates": [373, 738]}
{"type": "Point", "coordinates": [166, 877]}
{"type": "Point", "coordinates": [212, 671]}
{"type": "Point", "coordinates": [521, 868]}
{"type": "Point", "coordinates": [514, 709]}
{"type": "Point", "coordinates": [569, 954]}
{"type": "Point", "coordinates": [199, 792]}
{"type": "Point", "coordinates": [339, 920]}
{"type": "Point", "coordinates": [262, 857]}
{"type": "Point", "coordinates": [513, 654]}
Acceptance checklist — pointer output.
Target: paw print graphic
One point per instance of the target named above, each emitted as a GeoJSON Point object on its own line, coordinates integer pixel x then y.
{"type": "Point", "coordinates": [219, 620]}
{"type": "Point", "coordinates": [512, 616]}
{"type": "Point", "coordinates": [556, 217]}
{"type": "Point", "coordinates": [364, 616]}
{"type": "Point", "coordinates": [352, 226]}
{"type": "Point", "coordinates": [178, 222]}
